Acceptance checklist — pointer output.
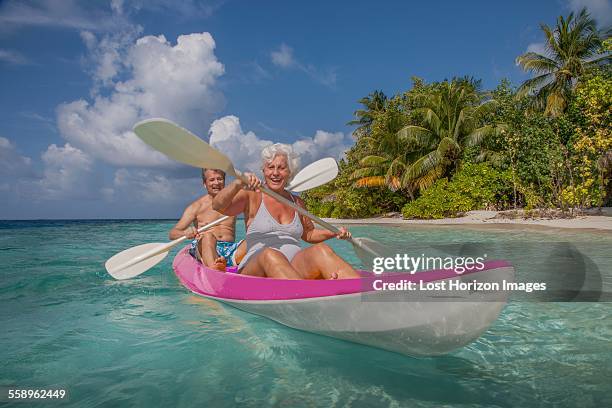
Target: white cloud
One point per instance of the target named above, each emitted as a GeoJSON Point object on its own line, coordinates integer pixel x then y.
{"type": "Point", "coordinates": [600, 10]}
{"type": "Point", "coordinates": [537, 47]}
{"type": "Point", "coordinates": [176, 82]}
{"type": "Point", "coordinates": [284, 58]}
{"type": "Point", "coordinates": [186, 8]}
{"type": "Point", "coordinates": [244, 149]}
{"type": "Point", "coordinates": [106, 54]}
{"type": "Point", "coordinates": [117, 6]}
{"type": "Point", "coordinates": [253, 72]}
{"type": "Point", "coordinates": [11, 162]}
{"type": "Point", "coordinates": [55, 13]}
{"type": "Point", "coordinates": [37, 120]}
{"type": "Point", "coordinates": [12, 57]}
{"type": "Point", "coordinates": [94, 16]}
{"type": "Point", "coordinates": [327, 77]}
{"type": "Point", "coordinates": [152, 187]}
{"type": "Point", "coordinates": [132, 79]}
{"type": "Point", "coordinates": [66, 174]}
{"type": "Point", "coordinates": [322, 144]}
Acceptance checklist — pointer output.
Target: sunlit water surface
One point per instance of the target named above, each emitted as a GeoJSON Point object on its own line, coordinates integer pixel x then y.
{"type": "Point", "coordinates": [148, 341]}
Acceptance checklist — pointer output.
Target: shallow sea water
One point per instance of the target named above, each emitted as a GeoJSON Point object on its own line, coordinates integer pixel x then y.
{"type": "Point", "coordinates": [148, 341]}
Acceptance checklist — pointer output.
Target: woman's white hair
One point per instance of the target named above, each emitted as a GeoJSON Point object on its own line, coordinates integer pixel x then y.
{"type": "Point", "coordinates": [280, 149]}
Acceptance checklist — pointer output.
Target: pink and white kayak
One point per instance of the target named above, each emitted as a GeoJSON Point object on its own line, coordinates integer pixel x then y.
{"type": "Point", "coordinates": [411, 322]}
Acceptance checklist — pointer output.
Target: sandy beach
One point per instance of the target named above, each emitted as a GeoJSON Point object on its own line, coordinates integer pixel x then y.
{"type": "Point", "coordinates": [599, 222]}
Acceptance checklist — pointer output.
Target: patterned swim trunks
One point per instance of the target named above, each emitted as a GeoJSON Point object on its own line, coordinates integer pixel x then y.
{"type": "Point", "coordinates": [225, 249]}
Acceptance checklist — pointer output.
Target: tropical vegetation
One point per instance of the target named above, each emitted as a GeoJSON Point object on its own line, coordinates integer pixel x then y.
{"type": "Point", "coordinates": [444, 148]}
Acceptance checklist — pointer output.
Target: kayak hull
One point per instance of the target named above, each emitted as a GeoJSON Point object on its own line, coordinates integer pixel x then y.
{"type": "Point", "coordinates": [416, 323]}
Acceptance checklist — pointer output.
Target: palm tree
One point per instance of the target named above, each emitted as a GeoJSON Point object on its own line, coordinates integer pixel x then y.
{"type": "Point", "coordinates": [374, 103]}
{"type": "Point", "coordinates": [573, 46]}
{"type": "Point", "coordinates": [452, 118]}
{"type": "Point", "coordinates": [386, 156]}
{"type": "Point", "coordinates": [385, 167]}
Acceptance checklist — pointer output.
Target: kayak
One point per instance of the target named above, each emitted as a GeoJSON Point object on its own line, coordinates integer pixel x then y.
{"type": "Point", "coordinates": [407, 321]}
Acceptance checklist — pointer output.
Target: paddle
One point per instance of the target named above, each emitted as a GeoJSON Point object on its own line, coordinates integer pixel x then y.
{"type": "Point", "coordinates": [137, 260]}
{"type": "Point", "coordinates": [183, 146]}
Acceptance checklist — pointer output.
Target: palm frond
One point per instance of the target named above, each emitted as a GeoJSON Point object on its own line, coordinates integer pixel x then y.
{"type": "Point", "coordinates": [397, 166]}
{"type": "Point", "coordinates": [426, 180]}
{"type": "Point", "coordinates": [374, 181]}
{"type": "Point", "coordinates": [533, 84]}
{"type": "Point", "coordinates": [365, 172]}
{"type": "Point", "coordinates": [432, 119]}
{"type": "Point", "coordinates": [424, 165]}
{"type": "Point", "coordinates": [606, 59]}
{"type": "Point", "coordinates": [372, 161]}
{"type": "Point", "coordinates": [485, 108]}
{"type": "Point", "coordinates": [460, 123]}
{"type": "Point", "coordinates": [552, 45]}
{"type": "Point", "coordinates": [538, 63]}
{"type": "Point", "coordinates": [393, 182]}
{"type": "Point", "coordinates": [448, 147]}
{"type": "Point", "coordinates": [478, 136]}
{"type": "Point", "coordinates": [415, 134]}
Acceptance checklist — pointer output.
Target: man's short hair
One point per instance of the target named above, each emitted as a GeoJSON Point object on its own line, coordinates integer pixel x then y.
{"type": "Point", "coordinates": [217, 170]}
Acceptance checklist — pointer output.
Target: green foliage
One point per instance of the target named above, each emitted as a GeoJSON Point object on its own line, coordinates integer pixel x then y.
{"type": "Point", "coordinates": [450, 120]}
{"type": "Point", "coordinates": [340, 199]}
{"type": "Point", "coordinates": [388, 155]}
{"type": "Point", "coordinates": [590, 146]}
{"type": "Point", "coordinates": [530, 147]}
{"type": "Point", "coordinates": [447, 147]}
{"type": "Point", "coordinates": [372, 104]}
{"type": "Point", "coordinates": [475, 186]}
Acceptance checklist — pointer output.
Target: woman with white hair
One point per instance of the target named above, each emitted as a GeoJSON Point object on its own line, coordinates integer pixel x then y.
{"type": "Point", "coordinates": [274, 230]}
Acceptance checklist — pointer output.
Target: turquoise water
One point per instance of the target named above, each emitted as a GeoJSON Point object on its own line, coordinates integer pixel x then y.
{"type": "Point", "coordinates": [147, 341]}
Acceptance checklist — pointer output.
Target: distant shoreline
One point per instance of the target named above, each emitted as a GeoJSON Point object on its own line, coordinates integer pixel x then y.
{"type": "Point", "coordinates": [472, 218]}
{"type": "Point", "coordinates": [488, 218]}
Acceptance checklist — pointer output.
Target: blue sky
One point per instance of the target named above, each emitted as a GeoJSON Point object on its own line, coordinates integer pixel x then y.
{"type": "Point", "coordinates": [76, 75]}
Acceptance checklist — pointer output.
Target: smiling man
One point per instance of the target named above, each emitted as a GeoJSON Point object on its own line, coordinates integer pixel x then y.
{"type": "Point", "coordinates": [216, 246]}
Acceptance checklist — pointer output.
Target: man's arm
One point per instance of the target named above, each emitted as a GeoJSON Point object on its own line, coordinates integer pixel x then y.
{"type": "Point", "coordinates": [185, 225]}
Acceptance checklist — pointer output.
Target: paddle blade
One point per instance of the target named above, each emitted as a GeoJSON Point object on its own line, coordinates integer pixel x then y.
{"type": "Point", "coordinates": [314, 175]}
{"type": "Point", "coordinates": [134, 261]}
{"type": "Point", "coordinates": [181, 145]}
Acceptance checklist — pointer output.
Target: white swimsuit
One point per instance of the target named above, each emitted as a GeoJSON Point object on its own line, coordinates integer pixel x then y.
{"type": "Point", "coordinates": [265, 232]}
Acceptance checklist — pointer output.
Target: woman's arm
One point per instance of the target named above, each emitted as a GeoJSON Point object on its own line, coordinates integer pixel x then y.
{"type": "Point", "coordinates": [232, 200]}
{"type": "Point", "coordinates": [314, 235]}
